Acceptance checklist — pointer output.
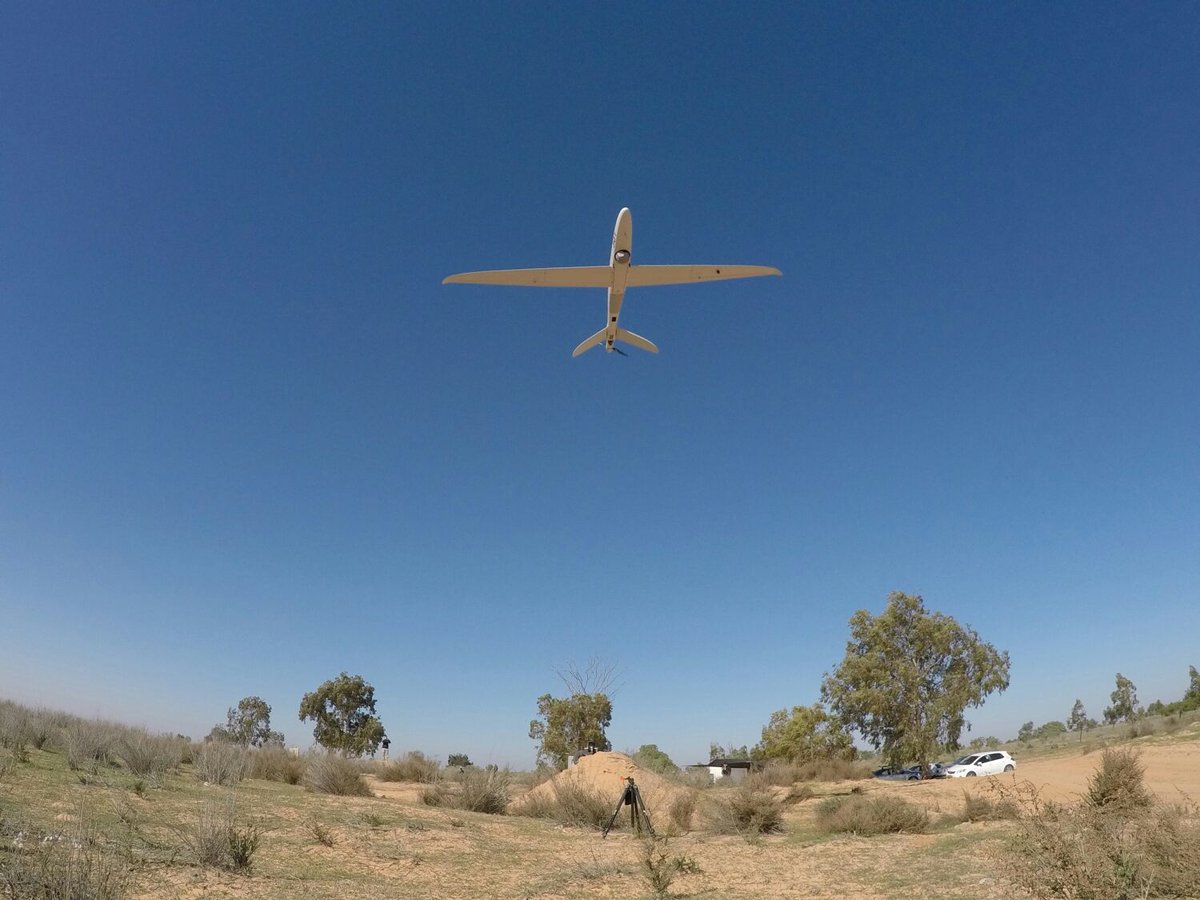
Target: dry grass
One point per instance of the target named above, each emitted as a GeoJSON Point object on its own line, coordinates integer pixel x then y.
{"type": "Point", "coordinates": [570, 803]}
{"type": "Point", "coordinates": [482, 791]}
{"type": "Point", "coordinates": [749, 809]}
{"type": "Point", "coordinates": [218, 762]}
{"type": "Point", "coordinates": [277, 764]}
{"type": "Point", "coordinates": [415, 767]}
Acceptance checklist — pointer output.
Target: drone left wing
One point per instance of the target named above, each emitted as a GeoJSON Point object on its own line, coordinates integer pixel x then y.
{"type": "Point", "coordinates": [573, 276]}
{"type": "Point", "coordinates": [644, 276]}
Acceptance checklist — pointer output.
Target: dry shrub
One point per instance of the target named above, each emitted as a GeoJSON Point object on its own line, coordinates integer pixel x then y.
{"type": "Point", "coordinates": [89, 744]}
{"type": "Point", "coordinates": [329, 773]}
{"type": "Point", "coordinates": [219, 762]}
{"type": "Point", "coordinates": [77, 863]}
{"type": "Point", "coordinates": [414, 766]}
{"type": "Point", "coordinates": [985, 809]}
{"type": "Point", "coordinates": [750, 809]}
{"type": "Point", "coordinates": [276, 764]}
{"type": "Point", "coordinates": [570, 803]}
{"type": "Point", "coordinates": [484, 791]}
{"type": "Point", "coordinates": [695, 777]}
{"type": "Point", "coordinates": [1106, 851]}
{"type": "Point", "coordinates": [149, 756]}
{"type": "Point", "coordinates": [217, 840]}
{"type": "Point", "coordinates": [862, 815]}
{"type": "Point", "coordinates": [1119, 782]}
{"type": "Point", "coordinates": [680, 811]}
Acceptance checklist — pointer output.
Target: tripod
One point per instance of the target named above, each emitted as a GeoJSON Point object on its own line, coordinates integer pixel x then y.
{"type": "Point", "coordinates": [638, 816]}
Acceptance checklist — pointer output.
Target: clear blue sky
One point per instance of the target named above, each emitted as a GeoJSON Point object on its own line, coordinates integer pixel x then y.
{"type": "Point", "coordinates": [248, 440]}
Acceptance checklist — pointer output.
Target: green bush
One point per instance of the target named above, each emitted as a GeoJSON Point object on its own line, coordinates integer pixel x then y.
{"type": "Point", "coordinates": [863, 815]}
{"type": "Point", "coordinates": [331, 773]}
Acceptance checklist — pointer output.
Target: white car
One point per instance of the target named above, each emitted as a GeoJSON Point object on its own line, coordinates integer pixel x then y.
{"type": "Point", "coordinates": [991, 762]}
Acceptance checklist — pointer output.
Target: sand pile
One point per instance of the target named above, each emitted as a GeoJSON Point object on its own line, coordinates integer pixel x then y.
{"type": "Point", "coordinates": [604, 774]}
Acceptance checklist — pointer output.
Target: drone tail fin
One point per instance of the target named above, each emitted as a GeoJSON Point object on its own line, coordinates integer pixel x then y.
{"type": "Point", "coordinates": [594, 340]}
{"type": "Point", "coordinates": [636, 340]}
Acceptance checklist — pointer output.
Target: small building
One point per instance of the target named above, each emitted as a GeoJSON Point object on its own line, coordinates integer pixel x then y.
{"type": "Point", "coordinates": [733, 770]}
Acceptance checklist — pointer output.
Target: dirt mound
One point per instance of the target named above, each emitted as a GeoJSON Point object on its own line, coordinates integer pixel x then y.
{"type": "Point", "coordinates": [604, 774]}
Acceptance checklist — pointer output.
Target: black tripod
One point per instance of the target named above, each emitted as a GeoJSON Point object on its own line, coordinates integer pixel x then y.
{"type": "Point", "coordinates": [638, 816]}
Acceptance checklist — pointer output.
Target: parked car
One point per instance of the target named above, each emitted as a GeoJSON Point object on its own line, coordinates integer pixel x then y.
{"type": "Point", "coordinates": [991, 762]}
{"type": "Point", "coordinates": [912, 773]}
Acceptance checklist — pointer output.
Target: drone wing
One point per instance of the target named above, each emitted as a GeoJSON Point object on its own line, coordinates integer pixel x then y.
{"type": "Point", "coordinates": [572, 276]}
{"type": "Point", "coordinates": [645, 276]}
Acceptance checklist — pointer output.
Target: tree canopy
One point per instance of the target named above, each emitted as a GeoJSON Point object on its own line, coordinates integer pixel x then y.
{"type": "Point", "coordinates": [343, 709]}
{"type": "Point", "coordinates": [1124, 702]}
{"type": "Point", "coordinates": [249, 724]}
{"type": "Point", "coordinates": [566, 725]}
{"type": "Point", "coordinates": [804, 734]}
{"type": "Point", "coordinates": [908, 676]}
{"type": "Point", "coordinates": [648, 756]}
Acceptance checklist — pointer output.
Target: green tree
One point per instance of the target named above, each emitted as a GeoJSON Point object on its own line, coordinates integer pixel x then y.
{"type": "Point", "coordinates": [804, 734]}
{"type": "Point", "coordinates": [248, 724]}
{"type": "Point", "coordinates": [1124, 702]}
{"type": "Point", "coordinates": [717, 751]}
{"type": "Point", "coordinates": [1025, 734]}
{"type": "Point", "coordinates": [1193, 690]}
{"type": "Point", "coordinates": [907, 677]}
{"type": "Point", "coordinates": [1078, 720]}
{"type": "Point", "coordinates": [344, 712]}
{"type": "Point", "coordinates": [566, 725]}
{"type": "Point", "coordinates": [1051, 729]}
{"type": "Point", "coordinates": [458, 760]}
{"type": "Point", "coordinates": [648, 756]}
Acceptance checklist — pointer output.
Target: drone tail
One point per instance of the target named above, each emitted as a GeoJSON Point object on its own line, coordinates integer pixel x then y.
{"type": "Point", "coordinates": [636, 340]}
{"type": "Point", "coordinates": [595, 340]}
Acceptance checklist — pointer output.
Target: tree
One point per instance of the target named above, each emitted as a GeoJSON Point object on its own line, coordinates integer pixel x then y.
{"type": "Point", "coordinates": [344, 711]}
{"type": "Point", "coordinates": [566, 725]}
{"type": "Point", "coordinates": [1025, 735]}
{"type": "Point", "coordinates": [459, 760]}
{"type": "Point", "coordinates": [1078, 720]}
{"type": "Point", "coordinates": [907, 677]}
{"type": "Point", "coordinates": [1051, 729]}
{"type": "Point", "coordinates": [248, 724]}
{"type": "Point", "coordinates": [716, 751]}
{"type": "Point", "coordinates": [648, 756]}
{"type": "Point", "coordinates": [804, 734]}
{"type": "Point", "coordinates": [1124, 702]}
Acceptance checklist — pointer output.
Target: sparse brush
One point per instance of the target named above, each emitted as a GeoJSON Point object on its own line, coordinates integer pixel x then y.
{"type": "Point", "coordinates": [569, 804]}
{"type": "Point", "coordinates": [798, 793]}
{"type": "Point", "coordinates": [862, 815]}
{"type": "Point", "coordinates": [1119, 782]}
{"type": "Point", "coordinates": [657, 867]}
{"type": "Point", "coordinates": [77, 863]}
{"type": "Point", "coordinates": [322, 833]}
{"type": "Point", "coordinates": [977, 808]}
{"type": "Point", "coordinates": [484, 792]}
{"type": "Point", "coordinates": [147, 755]}
{"type": "Point", "coordinates": [222, 763]}
{"type": "Point", "coordinates": [89, 745]}
{"type": "Point", "coordinates": [276, 764]}
{"type": "Point", "coordinates": [751, 809]}
{"type": "Point", "coordinates": [329, 773]}
{"type": "Point", "coordinates": [414, 766]}
{"type": "Point", "coordinates": [218, 841]}
{"type": "Point", "coordinates": [1091, 851]}
{"type": "Point", "coordinates": [681, 809]}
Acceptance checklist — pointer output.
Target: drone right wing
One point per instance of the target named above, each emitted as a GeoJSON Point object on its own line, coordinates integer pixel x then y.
{"type": "Point", "coordinates": [644, 276]}
{"type": "Point", "coordinates": [572, 276]}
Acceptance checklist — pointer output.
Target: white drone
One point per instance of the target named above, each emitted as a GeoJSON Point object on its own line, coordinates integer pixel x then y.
{"type": "Point", "coordinates": [616, 277]}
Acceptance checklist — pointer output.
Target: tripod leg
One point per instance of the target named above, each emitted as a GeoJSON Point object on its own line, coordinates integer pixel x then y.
{"type": "Point", "coordinates": [612, 819]}
{"type": "Point", "coordinates": [641, 808]}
